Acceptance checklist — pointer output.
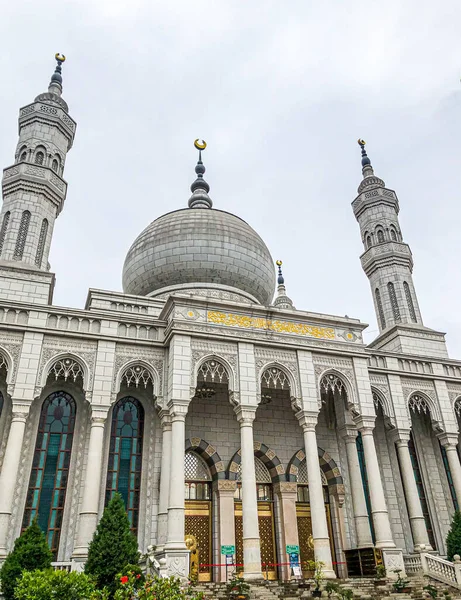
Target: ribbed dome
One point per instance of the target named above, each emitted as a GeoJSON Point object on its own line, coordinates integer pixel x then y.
{"type": "Point", "coordinates": [199, 246]}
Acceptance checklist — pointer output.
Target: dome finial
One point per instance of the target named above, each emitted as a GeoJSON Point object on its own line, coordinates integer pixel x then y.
{"type": "Point", "coordinates": [280, 279]}
{"type": "Point", "coordinates": [282, 300]}
{"type": "Point", "coordinates": [55, 86]}
{"type": "Point", "coordinates": [200, 187]}
{"type": "Point", "coordinates": [369, 178]}
{"type": "Point", "coordinates": [365, 160]}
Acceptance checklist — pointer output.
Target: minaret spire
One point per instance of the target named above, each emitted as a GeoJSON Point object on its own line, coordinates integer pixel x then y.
{"type": "Point", "coordinates": [55, 86]}
{"type": "Point", "coordinates": [369, 178]}
{"type": "Point", "coordinates": [200, 187]}
{"type": "Point", "coordinates": [282, 300]}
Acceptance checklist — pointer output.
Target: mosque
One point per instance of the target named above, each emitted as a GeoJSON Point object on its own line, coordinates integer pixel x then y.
{"type": "Point", "coordinates": [231, 422]}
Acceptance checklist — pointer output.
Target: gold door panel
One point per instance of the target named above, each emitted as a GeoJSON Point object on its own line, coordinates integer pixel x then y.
{"type": "Point", "coordinates": [306, 541]}
{"type": "Point", "coordinates": [198, 524]}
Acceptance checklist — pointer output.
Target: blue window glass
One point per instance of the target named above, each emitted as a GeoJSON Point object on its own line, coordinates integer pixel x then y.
{"type": "Point", "coordinates": [449, 477]}
{"type": "Point", "coordinates": [125, 456]}
{"type": "Point", "coordinates": [366, 489]}
{"type": "Point", "coordinates": [50, 467]}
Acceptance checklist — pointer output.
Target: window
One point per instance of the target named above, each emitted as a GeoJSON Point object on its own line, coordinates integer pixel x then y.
{"type": "Point", "coordinates": [55, 165]}
{"type": "Point", "coordinates": [379, 306]}
{"type": "Point", "coordinates": [368, 241]}
{"type": "Point", "coordinates": [380, 235]}
{"type": "Point", "coordinates": [393, 235]}
{"type": "Point", "coordinates": [22, 235]}
{"type": "Point", "coordinates": [366, 489]}
{"type": "Point", "coordinates": [23, 156]}
{"type": "Point", "coordinates": [394, 303]}
{"type": "Point", "coordinates": [50, 467]}
{"type": "Point", "coordinates": [411, 306]}
{"type": "Point", "coordinates": [39, 158]}
{"type": "Point", "coordinates": [41, 243]}
{"type": "Point", "coordinates": [197, 478]}
{"type": "Point", "coordinates": [263, 482]}
{"type": "Point", "coordinates": [125, 456]}
{"type": "Point", "coordinates": [3, 230]}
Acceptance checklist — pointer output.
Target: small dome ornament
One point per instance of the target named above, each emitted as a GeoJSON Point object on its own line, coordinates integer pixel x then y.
{"type": "Point", "coordinates": [365, 160]}
{"type": "Point", "coordinates": [200, 187]}
{"type": "Point", "coordinates": [56, 78]}
{"type": "Point", "coordinates": [282, 300]}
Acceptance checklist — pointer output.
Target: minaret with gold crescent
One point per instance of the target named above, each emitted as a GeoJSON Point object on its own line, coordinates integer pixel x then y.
{"type": "Point", "coordinates": [34, 191]}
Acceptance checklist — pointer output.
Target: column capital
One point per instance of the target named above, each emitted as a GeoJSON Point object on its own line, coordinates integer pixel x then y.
{"type": "Point", "coordinates": [20, 411]}
{"type": "Point", "coordinates": [448, 439]}
{"type": "Point", "coordinates": [365, 423]}
{"type": "Point", "coordinates": [400, 437]}
{"type": "Point", "coordinates": [225, 485]}
{"type": "Point", "coordinates": [165, 418]}
{"type": "Point", "coordinates": [98, 416]}
{"type": "Point", "coordinates": [245, 414]}
{"type": "Point", "coordinates": [348, 433]}
{"type": "Point", "coordinates": [286, 488]}
{"type": "Point", "coordinates": [177, 410]}
{"type": "Point", "coordinates": [307, 419]}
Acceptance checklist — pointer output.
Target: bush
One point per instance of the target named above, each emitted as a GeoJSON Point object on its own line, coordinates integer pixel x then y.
{"type": "Point", "coordinates": [49, 584]}
{"type": "Point", "coordinates": [113, 546]}
{"type": "Point", "coordinates": [30, 552]}
{"type": "Point", "coordinates": [454, 536]}
{"type": "Point", "coordinates": [154, 589]}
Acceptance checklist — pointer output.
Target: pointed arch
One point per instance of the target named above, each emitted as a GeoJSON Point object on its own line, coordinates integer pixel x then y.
{"type": "Point", "coordinates": [335, 379]}
{"type": "Point", "coordinates": [267, 456]}
{"type": "Point", "coordinates": [216, 375]}
{"type": "Point", "coordinates": [138, 374]}
{"type": "Point", "coordinates": [291, 379]}
{"type": "Point", "coordinates": [209, 454]}
{"type": "Point", "coordinates": [329, 468]}
{"type": "Point", "coordinates": [69, 370]}
{"type": "Point", "coordinates": [380, 399]}
{"type": "Point", "coordinates": [420, 402]}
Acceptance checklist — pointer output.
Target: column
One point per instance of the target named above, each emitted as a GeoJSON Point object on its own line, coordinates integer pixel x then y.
{"type": "Point", "coordinates": [286, 496]}
{"type": "Point", "coordinates": [450, 441]}
{"type": "Point", "coordinates": [9, 474]}
{"type": "Point", "coordinates": [415, 512]}
{"type": "Point", "coordinates": [175, 521]}
{"type": "Point", "coordinates": [225, 491]}
{"type": "Point", "coordinates": [162, 523]}
{"type": "Point", "coordinates": [251, 543]}
{"type": "Point", "coordinates": [359, 506]}
{"type": "Point", "coordinates": [322, 549]}
{"type": "Point", "coordinates": [379, 512]}
{"type": "Point", "coordinates": [88, 519]}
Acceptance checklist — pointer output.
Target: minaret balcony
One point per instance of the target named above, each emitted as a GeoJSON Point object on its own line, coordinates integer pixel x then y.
{"type": "Point", "coordinates": [382, 255]}
{"type": "Point", "coordinates": [39, 111]}
{"type": "Point", "coordinates": [35, 174]}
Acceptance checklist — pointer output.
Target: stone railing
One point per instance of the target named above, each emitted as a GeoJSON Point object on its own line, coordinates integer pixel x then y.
{"type": "Point", "coordinates": [62, 566]}
{"type": "Point", "coordinates": [412, 564]}
{"type": "Point", "coordinates": [442, 570]}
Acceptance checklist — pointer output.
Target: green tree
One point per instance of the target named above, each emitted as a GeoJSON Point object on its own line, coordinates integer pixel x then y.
{"type": "Point", "coordinates": [454, 536]}
{"type": "Point", "coordinates": [44, 585]}
{"type": "Point", "coordinates": [30, 552]}
{"type": "Point", "coordinates": [113, 546]}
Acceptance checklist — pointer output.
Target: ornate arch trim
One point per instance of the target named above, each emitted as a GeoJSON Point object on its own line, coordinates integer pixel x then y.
{"type": "Point", "coordinates": [434, 415]}
{"type": "Point", "coordinates": [6, 357]}
{"type": "Point", "coordinates": [209, 455]}
{"type": "Point", "coordinates": [384, 402]}
{"type": "Point", "coordinates": [348, 385]}
{"type": "Point", "coordinates": [294, 391]}
{"type": "Point", "coordinates": [63, 356]}
{"type": "Point", "coordinates": [267, 457]}
{"type": "Point", "coordinates": [220, 359]}
{"type": "Point", "coordinates": [328, 466]}
{"type": "Point", "coordinates": [142, 363]}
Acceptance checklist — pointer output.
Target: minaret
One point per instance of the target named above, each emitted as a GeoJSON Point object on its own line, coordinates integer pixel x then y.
{"type": "Point", "coordinates": [282, 300]}
{"type": "Point", "coordinates": [33, 194]}
{"type": "Point", "coordinates": [388, 264]}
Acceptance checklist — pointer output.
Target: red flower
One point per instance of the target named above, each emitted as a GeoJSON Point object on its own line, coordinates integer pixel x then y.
{"type": "Point", "coordinates": [124, 579]}
{"type": "Point", "coordinates": [138, 576]}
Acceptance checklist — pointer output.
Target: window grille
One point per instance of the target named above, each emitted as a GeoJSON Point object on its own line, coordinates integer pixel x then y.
{"type": "Point", "coordinates": [302, 477]}
{"type": "Point", "coordinates": [136, 376]}
{"type": "Point", "coordinates": [411, 306]}
{"type": "Point", "coordinates": [379, 304]}
{"type": "Point", "coordinates": [274, 378]}
{"type": "Point", "coordinates": [212, 371]}
{"type": "Point", "coordinates": [3, 230]}
{"type": "Point", "coordinates": [418, 404]}
{"type": "Point", "coordinates": [46, 495]}
{"type": "Point", "coordinates": [394, 303]}
{"type": "Point", "coordinates": [22, 235]}
{"type": "Point", "coordinates": [41, 243]}
{"type": "Point", "coordinates": [262, 472]}
{"type": "Point", "coordinates": [66, 369]}
{"type": "Point", "coordinates": [380, 236]}
{"type": "Point", "coordinates": [195, 468]}
{"type": "Point", "coordinates": [39, 158]}
{"type": "Point", "coordinates": [332, 382]}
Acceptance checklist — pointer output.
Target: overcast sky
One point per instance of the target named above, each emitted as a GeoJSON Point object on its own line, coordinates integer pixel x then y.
{"type": "Point", "coordinates": [280, 91]}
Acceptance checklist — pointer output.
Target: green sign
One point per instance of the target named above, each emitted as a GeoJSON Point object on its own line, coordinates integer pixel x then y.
{"type": "Point", "coordinates": [228, 550]}
{"type": "Point", "coordinates": [292, 549]}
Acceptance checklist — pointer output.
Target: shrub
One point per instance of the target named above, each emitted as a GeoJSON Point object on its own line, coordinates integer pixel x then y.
{"type": "Point", "coordinates": [30, 552]}
{"type": "Point", "coordinates": [113, 546]}
{"type": "Point", "coordinates": [154, 589]}
{"type": "Point", "coordinates": [44, 585]}
{"type": "Point", "coordinates": [454, 536]}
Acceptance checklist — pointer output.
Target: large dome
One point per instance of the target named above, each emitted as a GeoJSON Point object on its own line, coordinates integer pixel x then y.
{"type": "Point", "coordinates": [200, 248]}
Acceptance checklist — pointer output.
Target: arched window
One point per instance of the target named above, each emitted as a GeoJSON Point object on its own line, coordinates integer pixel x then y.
{"type": "Point", "coordinates": [50, 467]}
{"type": "Point", "coordinates": [380, 236]}
{"type": "Point", "coordinates": [366, 489]}
{"type": "Point", "coordinates": [39, 158]}
{"type": "Point", "coordinates": [263, 482]}
{"type": "Point", "coordinates": [411, 306]}
{"type": "Point", "coordinates": [56, 164]}
{"type": "Point", "coordinates": [3, 230]}
{"type": "Point", "coordinates": [379, 306]}
{"type": "Point", "coordinates": [393, 234]}
{"type": "Point", "coordinates": [125, 456]}
{"type": "Point", "coordinates": [303, 484]}
{"type": "Point", "coordinates": [23, 154]}
{"type": "Point", "coordinates": [41, 243]}
{"type": "Point", "coordinates": [196, 478]}
{"type": "Point", "coordinates": [394, 303]}
{"type": "Point", "coordinates": [22, 235]}
{"type": "Point", "coordinates": [368, 241]}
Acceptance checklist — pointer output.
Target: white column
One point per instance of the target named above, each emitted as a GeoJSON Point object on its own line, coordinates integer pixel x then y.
{"type": "Point", "coordinates": [450, 441]}
{"type": "Point", "coordinates": [415, 511]}
{"type": "Point", "coordinates": [359, 505]}
{"type": "Point", "coordinates": [379, 512]}
{"type": "Point", "coordinates": [164, 480]}
{"type": "Point", "coordinates": [251, 544]}
{"type": "Point", "coordinates": [88, 519]}
{"type": "Point", "coordinates": [9, 474]}
{"type": "Point", "coordinates": [322, 549]}
{"type": "Point", "coordinates": [175, 522]}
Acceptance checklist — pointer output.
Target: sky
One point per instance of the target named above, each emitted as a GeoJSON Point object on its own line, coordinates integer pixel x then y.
{"type": "Point", "coordinates": [281, 91]}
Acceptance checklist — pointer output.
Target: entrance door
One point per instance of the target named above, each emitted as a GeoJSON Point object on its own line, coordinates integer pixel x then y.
{"type": "Point", "coordinates": [306, 541]}
{"type": "Point", "coordinates": [198, 524]}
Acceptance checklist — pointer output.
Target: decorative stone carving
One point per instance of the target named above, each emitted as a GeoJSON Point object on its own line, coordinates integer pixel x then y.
{"type": "Point", "coordinates": [124, 354]}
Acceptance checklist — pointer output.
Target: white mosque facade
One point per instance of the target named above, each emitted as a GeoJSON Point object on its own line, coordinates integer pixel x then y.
{"type": "Point", "coordinates": [225, 418]}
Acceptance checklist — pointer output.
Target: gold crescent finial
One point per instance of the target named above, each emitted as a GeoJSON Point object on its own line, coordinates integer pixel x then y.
{"type": "Point", "coordinates": [60, 57]}
{"type": "Point", "coordinates": [278, 263]}
{"type": "Point", "coordinates": [200, 144]}
{"type": "Point", "coordinates": [361, 142]}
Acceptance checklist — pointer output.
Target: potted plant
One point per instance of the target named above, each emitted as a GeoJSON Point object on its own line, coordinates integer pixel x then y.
{"type": "Point", "coordinates": [380, 578]}
{"type": "Point", "coordinates": [431, 590]}
{"type": "Point", "coordinates": [318, 577]}
{"type": "Point", "coordinates": [446, 595]}
{"type": "Point", "coordinates": [401, 585]}
{"type": "Point", "coordinates": [346, 593]}
{"type": "Point", "coordinates": [237, 589]}
{"type": "Point", "coordinates": [332, 587]}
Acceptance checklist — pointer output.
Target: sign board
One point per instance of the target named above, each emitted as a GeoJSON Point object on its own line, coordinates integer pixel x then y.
{"type": "Point", "coordinates": [297, 572]}
{"type": "Point", "coordinates": [228, 550]}
{"type": "Point", "coordinates": [229, 559]}
{"type": "Point", "coordinates": [294, 559]}
{"type": "Point", "coordinates": [291, 549]}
